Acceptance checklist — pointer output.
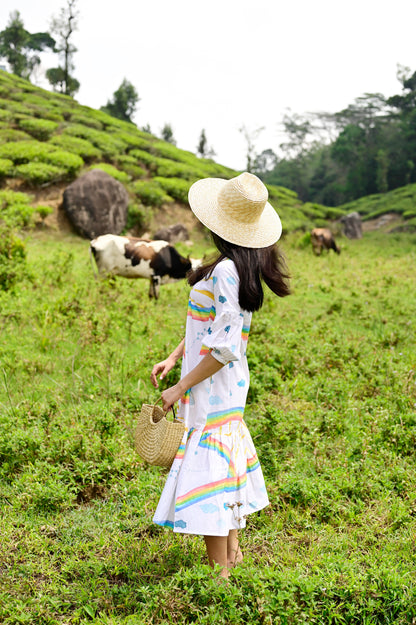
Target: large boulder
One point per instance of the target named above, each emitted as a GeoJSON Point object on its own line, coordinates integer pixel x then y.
{"type": "Point", "coordinates": [352, 226]}
{"type": "Point", "coordinates": [96, 204]}
{"type": "Point", "coordinates": [172, 234]}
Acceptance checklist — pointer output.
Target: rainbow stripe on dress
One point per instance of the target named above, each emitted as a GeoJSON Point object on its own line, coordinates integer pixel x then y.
{"type": "Point", "coordinates": [217, 419]}
{"type": "Point", "coordinates": [199, 313]}
{"type": "Point", "coordinates": [245, 332]}
{"type": "Point", "coordinates": [205, 350]}
{"type": "Point", "coordinates": [252, 463]}
{"type": "Point", "coordinates": [185, 397]}
{"type": "Point", "coordinates": [196, 495]}
{"type": "Point", "coordinates": [207, 441]}
{"type": "Point", "coordinates": [207, 293]}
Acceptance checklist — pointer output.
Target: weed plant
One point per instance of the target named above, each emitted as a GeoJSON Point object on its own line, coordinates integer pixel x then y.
{"type": "Point", "coordinates": [331, 408]}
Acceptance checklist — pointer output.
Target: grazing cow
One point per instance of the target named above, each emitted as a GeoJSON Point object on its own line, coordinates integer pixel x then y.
{"type": "Point", "coordinates": [140, 258]}
{"type": "Point", "coordinates": [322, 238]}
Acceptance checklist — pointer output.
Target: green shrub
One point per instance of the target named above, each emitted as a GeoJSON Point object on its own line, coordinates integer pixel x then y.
{"type": "Point", "coordinates": [15, 107]}
{"type": "Point", "coordinates": [144, 158]}
{"type": "Point", "coordinates": [121, 176]}
{"type": "Point", "coordinates": [132, 140]}
{"type": "Point", "coordinates": [314, 211]}
{"type": "Point", "coordinates": [150, 193]}
{"type": "Point", "coordinates": [107, 143]}
{"type": "Point", "coordinates": [77, 118]}
{"type": "Point", "coordinates": [41, 129]}
{"type": "Point", "coordinates": [33, 152]}
{"type": "Point", "coordinates": [39, 173]}
{"type": "Point", "coordinates": [71, 163]}
{"type": "Point", "coordinates": [53, 115]}
{"type": "Point", "coordinates": [171, 152]}
{"type": "Point", "coordinates": [172, 169]}
{"type": "Point", "coordinates": [43, 211]}
{"type": "Point", "coordinates": [129, 165]}
{"type": "Point", "coordinates": [15, 209]}
{"type": "Point", "coordinates": [304, 241]}
{"type": "Point", "coordinates": [5, 114]}
{"type": "Point", "coordinates": [6, 167]}
{"type": "Point", "coordinates": [76, 145]}
{"type": "Point", "coordinates": [12, 259]}
{"type": "Point", "coordinates": [175, 187]}
{"type": "Point", "coordinates": [8, 135]}
{"type": "Point", "coordinates": [137, 217]}
{"type": "Point", "coordinates": [25, 151]}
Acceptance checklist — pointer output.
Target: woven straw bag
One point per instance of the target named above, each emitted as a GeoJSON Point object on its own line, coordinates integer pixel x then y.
{"type": "Point", "coordinates": [156, 439]}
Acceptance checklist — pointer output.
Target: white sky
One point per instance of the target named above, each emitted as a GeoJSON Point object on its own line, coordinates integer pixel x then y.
{"type": "Point", "coordinates": [224, 63]}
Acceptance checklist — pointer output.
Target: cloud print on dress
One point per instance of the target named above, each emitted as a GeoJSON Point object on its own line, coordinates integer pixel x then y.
{"type": "Point", "coordinates": [209, 508]}
{"type": "Point", "coordinates": [180, 523]}
{"type": "Point", "coordinates": [215, 400]}
{"type": "Point", "coordinates": [222, 299]}
{"type": "Point", "coordinates": [241, 383]}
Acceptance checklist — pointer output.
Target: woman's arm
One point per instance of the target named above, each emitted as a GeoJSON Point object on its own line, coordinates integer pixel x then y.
{"type": "Point", "coordinates": [166, 365]}
{"type": "Point", "coordinates": [205, 369]}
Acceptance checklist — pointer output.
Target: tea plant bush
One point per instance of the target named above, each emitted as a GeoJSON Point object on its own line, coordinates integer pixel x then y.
{"type": "Point", "coordinates": [76, 145]}
{"type": "Point", "coordinates": [39, 173]}
{"type": "Point", "coordinates": [150, 193]}
{"type": "Point", "coordinates": [121, 176]}
{"type": "Point", "coordinates": [332, 411]}
{"type": "Point", "coordinates": [15, 213]}
{"type": "Point", "coordinates": [41, 129]}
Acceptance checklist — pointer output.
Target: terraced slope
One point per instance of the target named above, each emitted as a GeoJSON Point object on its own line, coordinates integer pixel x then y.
{"type": "Point", "coordinates": [47, 139]}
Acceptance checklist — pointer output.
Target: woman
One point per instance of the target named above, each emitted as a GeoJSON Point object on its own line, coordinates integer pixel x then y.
{"type": "Point", "coordinates": [215, 480]}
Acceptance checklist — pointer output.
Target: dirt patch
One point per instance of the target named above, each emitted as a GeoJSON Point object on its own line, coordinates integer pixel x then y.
{"type": "Point", "coordinates": [175, 213]}
{"type": "Point", "coordinates": [385, 222]}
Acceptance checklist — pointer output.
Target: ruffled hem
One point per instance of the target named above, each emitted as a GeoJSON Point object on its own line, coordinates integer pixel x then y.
{"type": "Point", "coordinates": [215, 482]}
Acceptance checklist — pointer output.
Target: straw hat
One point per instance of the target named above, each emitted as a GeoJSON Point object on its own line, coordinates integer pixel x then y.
{"type": "Point", "coordinates": [237, 210]}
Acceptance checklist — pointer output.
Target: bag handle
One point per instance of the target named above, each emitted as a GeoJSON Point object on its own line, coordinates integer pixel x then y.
{"type": "Point", "coordinates": [173, 407]}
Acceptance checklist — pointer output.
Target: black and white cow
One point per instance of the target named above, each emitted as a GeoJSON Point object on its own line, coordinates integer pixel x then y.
{"type": "Point", "coordinates": [140, 258]}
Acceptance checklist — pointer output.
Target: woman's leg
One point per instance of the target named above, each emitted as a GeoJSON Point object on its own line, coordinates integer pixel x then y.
{"type": "Point", "coordinates": [217, 552]}
{"type": "Point", "coordinates": [234, 555]}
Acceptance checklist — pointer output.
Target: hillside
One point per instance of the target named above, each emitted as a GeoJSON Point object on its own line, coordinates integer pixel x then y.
{"type": "Point", "coordinates": [397, 207]}
{"type": "Point", "coordinates": [48, 139]}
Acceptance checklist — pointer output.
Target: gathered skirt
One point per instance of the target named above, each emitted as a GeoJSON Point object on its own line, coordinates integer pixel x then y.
{"type": "Point", "coordinates": [215, 481]}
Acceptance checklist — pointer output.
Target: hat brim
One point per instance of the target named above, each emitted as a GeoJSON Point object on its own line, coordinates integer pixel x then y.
{"type": "Point", "coordinates": [202, 199]}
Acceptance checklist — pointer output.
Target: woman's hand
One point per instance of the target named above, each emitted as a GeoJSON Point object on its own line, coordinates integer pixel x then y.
{"type": "Point", "coordinates": [163, 368]}
{"type": "Point", "coordinates": [171, 395]}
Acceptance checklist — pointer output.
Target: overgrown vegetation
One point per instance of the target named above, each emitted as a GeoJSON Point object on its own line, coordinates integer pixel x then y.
{"type": "Point", "coordinates": [332, 410]}
{"type": "Point", "coordinates": [48, 137]}
{"type": "Point", "coordinates": [334, 158]}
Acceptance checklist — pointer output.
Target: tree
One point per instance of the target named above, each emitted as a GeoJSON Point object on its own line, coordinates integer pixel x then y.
{"type": "Point", "coordinates": [251, 137]}
{"type": "Point", "coordinates": [167, 134]}
{"type": "Point", "coordinates": [64, 26]}
{"type": "Point", "coordinates": [202, 149]}
{"type": "Point", "coordinates": [265, 162]}
{"type": "Point", "coordinates": [124, 102]}
{"type": "Point", "coordinates": [18, 46]}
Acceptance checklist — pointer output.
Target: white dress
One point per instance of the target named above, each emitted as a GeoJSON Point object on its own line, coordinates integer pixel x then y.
{"type": "Point", "coordinates": [215, 480]}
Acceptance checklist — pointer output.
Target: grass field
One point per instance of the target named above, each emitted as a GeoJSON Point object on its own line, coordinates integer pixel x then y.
{"type": "Point", "coordinates": [332, 410]}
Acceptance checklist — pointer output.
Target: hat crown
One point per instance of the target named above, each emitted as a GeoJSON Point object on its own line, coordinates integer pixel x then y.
{"type": "Point", "coordinates": [243, 198]}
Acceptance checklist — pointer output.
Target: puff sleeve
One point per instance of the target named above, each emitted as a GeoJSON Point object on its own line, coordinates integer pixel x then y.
{"type": "Point", "coordinates": [224, 336]}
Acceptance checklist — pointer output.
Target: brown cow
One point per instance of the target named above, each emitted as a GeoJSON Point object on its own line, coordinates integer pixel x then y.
{"type": "Point", "coordinates": [322, 238]}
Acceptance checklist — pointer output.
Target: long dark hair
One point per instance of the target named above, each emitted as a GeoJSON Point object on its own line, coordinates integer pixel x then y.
{"type": "Point", "coordinates": [253, 265]}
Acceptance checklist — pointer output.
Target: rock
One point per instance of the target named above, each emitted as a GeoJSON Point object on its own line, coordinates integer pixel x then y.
{"type": "Point", "coordinates": [96, 204]}
{"type": "Point", "coordinates": [352, 226]}
{"type": "Point", "coordinates": [178, 232]}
